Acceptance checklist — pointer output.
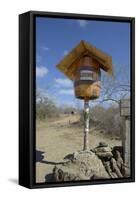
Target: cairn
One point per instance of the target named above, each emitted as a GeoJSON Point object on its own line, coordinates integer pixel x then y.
{"type": "Point", "coordinates": [112, 160]}
{"type": "Point", "coordinates": [102, 162]}
{"type": "Point", "coordinates": [82, 165]}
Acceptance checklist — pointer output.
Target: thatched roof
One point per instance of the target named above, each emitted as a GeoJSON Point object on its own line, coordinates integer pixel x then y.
{"type": "Point", "coordinates": [68, 64]}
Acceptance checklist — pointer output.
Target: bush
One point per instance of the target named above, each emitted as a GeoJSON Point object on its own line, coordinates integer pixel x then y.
{"type": "Point", "coordinates": [106, 118]}
{"type": "Point", "coordinates": [68, 110]}
{"type": "Point", "coordinates": [46, 108]}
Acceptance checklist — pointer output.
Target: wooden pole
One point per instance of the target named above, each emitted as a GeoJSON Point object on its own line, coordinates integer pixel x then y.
{"type": "Point", "coordinates": [127, 151]}
{"type": "Point", "coordinates": [86, 125]}
{"type": "Point", "coordinates": [126, 139]}
{"type": "Point", "coordinates": [126, 142]}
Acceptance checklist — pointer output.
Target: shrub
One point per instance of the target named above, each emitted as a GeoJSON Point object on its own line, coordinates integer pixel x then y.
{"type": "Point", "coordinates": [106, 118]}
{"type": "Point", "coordinates": [46, 108]}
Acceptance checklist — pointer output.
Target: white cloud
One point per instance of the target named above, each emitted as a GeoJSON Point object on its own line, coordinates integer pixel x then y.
{"type": "Point", "coordinates": [63, 83]}
{"type": "Point", "coordinates": [41, 71]}
{"type": "Point", "coordinates": [64, 86]}
{"type": "Point", "coordinates": [65, 52]}
{"type": "Point", "coordinates": [44, 48]}
{"type": "Point", "coordinates": [82, 23]}
{"type": "Point", "coordinates": [67, 91]}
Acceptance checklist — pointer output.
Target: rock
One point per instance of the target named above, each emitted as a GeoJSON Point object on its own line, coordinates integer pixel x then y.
{"type": "Point", "coordinates": [103, 144]}
{"type": "Point", "coordinates": [101, 162]}
{"type": "Point", "coordinates": [119, 160]}
{"type": "Point", "coordinates": [104, 155]}
{"type": "Point", "coordinates": [115, 168]}
{"type": "Point", "coordinates": [103, 152]}
{"type": "Point", "coordinates": [102, 149]}
{"type": "Point", "coordinates": [108, 168]}
{"type": "Point", "coordinates": [68, 157]}
{"type": "Point", "coordinates": [95, 177]}
{"type": "Point", "coordinates": [84, 165]}
{"type": "Point", "coordinates": [126, 171]}
{"type": "Point", "coordinates": [114, 175]}
{"type": "Point", "coordinates": [111, 173]}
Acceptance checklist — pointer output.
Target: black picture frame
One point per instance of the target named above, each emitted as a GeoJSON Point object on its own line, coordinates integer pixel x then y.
{"type": "Point", "coordinates": [27, 97]}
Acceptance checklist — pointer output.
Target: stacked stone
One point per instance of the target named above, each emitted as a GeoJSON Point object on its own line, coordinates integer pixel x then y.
{"type": "Point", "coordinates": [82, 165]}
{"type": "Point", "coordinates": [112, 160]}
{"type": "Point", "coordinates": [102, 162]}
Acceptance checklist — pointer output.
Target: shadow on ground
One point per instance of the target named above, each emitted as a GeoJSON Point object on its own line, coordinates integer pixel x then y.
{"type": "Point", "coordinates": [51, 162]}
{"type": "Point", "coordinates": [40, 158]}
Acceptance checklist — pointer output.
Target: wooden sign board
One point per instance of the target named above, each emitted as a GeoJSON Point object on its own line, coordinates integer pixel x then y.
{"type": "Point", "coordinates": [125, 107]}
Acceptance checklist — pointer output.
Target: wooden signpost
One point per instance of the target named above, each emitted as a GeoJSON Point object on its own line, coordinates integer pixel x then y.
{"type": "Point", "coordinates": [83, 66]}
{"type": "Point", "coordinates": [125, 113]}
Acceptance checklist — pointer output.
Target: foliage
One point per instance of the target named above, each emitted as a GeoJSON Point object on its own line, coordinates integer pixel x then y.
{"type": "Point", "coordinates": [45, 107]}
{"type": "Point", "coordinates": [107, 119]}
{"type": "Point", "coordinates": [68, 109]}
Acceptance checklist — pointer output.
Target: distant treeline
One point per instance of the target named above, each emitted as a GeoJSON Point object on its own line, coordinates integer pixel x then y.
{"type": "Point", "coordinates": [107, 119]}
{"type": "Point", "coordinates": [47, 108]}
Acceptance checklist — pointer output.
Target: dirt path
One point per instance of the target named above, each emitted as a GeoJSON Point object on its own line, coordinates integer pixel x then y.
{"type": "Point", "coordinates": [55, 139]}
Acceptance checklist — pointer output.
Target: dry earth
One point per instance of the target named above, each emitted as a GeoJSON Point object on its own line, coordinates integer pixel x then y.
{"type": "Point", "coordinates": [57, 138]}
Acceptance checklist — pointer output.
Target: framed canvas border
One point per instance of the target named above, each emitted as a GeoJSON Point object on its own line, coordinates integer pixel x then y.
{"type": "Point", "coordinates": [27, 88]}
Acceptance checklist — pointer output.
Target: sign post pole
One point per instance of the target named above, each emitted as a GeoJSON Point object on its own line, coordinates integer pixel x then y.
{"type": "Point", "coordinates": [86, 125]}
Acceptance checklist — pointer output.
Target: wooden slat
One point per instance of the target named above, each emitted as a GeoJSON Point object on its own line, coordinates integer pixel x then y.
{"type": "Point", "coordinates": [87, 91]}
{"type": "Point", "coordinates": [125, 107]}
{"type": "Point", "coordinates": [67, 64]}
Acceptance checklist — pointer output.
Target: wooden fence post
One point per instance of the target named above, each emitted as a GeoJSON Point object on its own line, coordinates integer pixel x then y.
{"type": "Point", "coordinates": [125, 113]}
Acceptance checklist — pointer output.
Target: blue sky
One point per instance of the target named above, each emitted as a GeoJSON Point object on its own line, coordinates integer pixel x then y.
{"type": "Point", "coordinates": [56, 37]}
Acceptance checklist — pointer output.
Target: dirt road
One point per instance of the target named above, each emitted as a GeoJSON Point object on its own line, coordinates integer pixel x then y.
{"type": "Point", "coordinates": [55, 139]}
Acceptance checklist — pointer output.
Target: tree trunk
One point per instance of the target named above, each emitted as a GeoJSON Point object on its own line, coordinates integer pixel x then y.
{"type": "Point", "coordinates": [86, 125]}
